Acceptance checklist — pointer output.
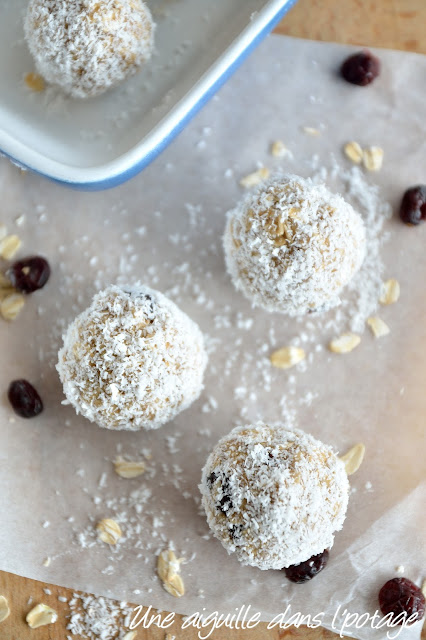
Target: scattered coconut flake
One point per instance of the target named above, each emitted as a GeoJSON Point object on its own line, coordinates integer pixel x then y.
{"type": "Point", "coordinates": [391, 292]}
{"type": "Point", "coordinates": [46, 562]}
{"type": "Point", "coordinates": [287, 357]}
{"type": "Point", "coordinates": [378, 327]}
{"type": "Point", "coordinates": [345, 343]}
{"type": "Point", "coordinates": [255, 178]}
{"type": "Point", "coordinates": [311, 131]}
{"type": "Point", "coordinates": [99, 618]}
{"type": "Point", "coordinates": [40, 616]}
{"type": "Point", "coordinates": [353, 458]}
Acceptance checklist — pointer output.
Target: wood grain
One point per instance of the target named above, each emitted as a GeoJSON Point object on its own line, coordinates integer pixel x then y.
{"type": "Point", "coordinates": [18, 591]}
{"type": "Point", "coordinates": [397, 24]}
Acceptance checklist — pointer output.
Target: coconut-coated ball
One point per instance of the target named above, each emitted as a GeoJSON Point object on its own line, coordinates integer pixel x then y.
{"type": "Point", "coordinates": [132, 360]}
{"type": "Point", "coordinates": [88, 46]}
{"type": "Point", "coordinates": [273, 496]}
{"type": "Point", "coordinates": [292, 246]}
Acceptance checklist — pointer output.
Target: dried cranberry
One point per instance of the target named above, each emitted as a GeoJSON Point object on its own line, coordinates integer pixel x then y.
{"type": "Point", "coordinates": [307, 570]}
{"type": "Point", "coordinates": [225, 503]}
{"type": "Point", "coordinates": [29, 274]}
{"type": "Point", "coordinates": [400, 596]}
{"type": "Point", "coordinates": [24, 399]}
{"type": "Point", "coordinates": [235, 531]}
{"type": "Point", "coordinates": [360, 68]}
{"type": "Point", "coordinates": [413, 205]}
{"type": "Point", "coordinates": [211, 479]}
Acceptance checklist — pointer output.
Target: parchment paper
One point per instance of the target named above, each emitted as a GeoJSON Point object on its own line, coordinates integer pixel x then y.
{"type": "Point", "coordinates": [164, 228]}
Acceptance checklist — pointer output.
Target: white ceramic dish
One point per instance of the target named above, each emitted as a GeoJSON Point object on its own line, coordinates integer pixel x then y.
{"type": "Point", "coordinates": [104, 141]}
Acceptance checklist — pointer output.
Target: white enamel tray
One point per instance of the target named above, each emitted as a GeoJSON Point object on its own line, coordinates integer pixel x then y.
{"type": "Point", "coordinates": [102, 142]}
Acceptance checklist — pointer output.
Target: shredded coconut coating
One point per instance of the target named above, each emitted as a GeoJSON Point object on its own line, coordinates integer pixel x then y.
{"type": "Point", "coordinates": [292, 245]}
{"type": "Point", "coordinates": [87, 46]}
{"type": "Point", "coordinates": [133, 359]}
{"type": "Point", "coordinates": [272, 496]}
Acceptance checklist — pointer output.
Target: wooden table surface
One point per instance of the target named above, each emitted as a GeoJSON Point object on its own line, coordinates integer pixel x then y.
{"type": "Point", "coordinates": [397, 24]}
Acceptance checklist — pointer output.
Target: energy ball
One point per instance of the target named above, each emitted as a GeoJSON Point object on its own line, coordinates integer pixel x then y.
{"type": "Point", "coordinates": [272, 496]}
{"type": "Point", "coordinates": [132, 360]}
{"type": "Point", "coordinates": [292, 246]}
{"type": "Point", "coordinates": [88, 46]}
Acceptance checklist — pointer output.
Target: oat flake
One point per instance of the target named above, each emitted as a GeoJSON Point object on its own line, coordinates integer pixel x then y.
{"type": "Point", "coordinates": [35, 82]}
{"type": "Point", "coordinates": [126, 469]}
{"type": "Point", "coordinates": [345, 343]}
{"type": "Point", "coordinates": [11, 305]}
{"type": "Point", "coordinates": [278, 149]}
{"type": "Point", "coordinates": [372, 158]}
{"type": "Point", "coordinates": [4, 608]}
{"type": "Point", "coordinates": [287, 357]}
{"type": "Point", "coordinates": [353, 458]}
{"type": "Point", "coordinates": [311, 131]}
{"type": "Point", "coordinates": [378, 327]}
{"type": "Point", "coordinates": [9, 245]}
{"type": "Point", "coordinates": [353, 151]}
{"type": "Point", "coordinates": [391, 292]}
{"type": "Point", "coordinates": [40, 616]}
{"type": "Point", "coordinates": [168, 569]}
{"type": "Point", "coordinates": [255, 178]}
{"type": "Point", "coordinates": [109, 531]}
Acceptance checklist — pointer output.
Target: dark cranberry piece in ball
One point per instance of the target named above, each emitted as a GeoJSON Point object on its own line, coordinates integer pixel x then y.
{"type": "Point", "coordinates": [30, 274]}
{"type": "Point", "coordinates": [413, 205]}
{"type": "Point", "coordinates": [235, 531]}
{"type": "Point", "coordinates": [24, 399]}
{"type": "Point", "coordinates": [211, 479]}
{"type": "Point", "coordinates": [225, 503]}
{"type": "Point", "coordinates": [400, 596]}
{"type": "Point", "coordinates": [307, 570]}
{"type": "Point", "coordinates": [360, 68]}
